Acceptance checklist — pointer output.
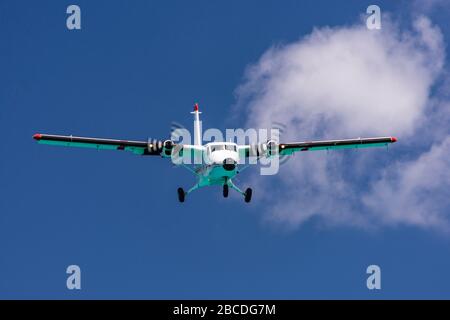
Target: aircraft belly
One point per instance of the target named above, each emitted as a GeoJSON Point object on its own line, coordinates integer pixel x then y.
{"type": "Point", "coordinates": [219, 172]}
{"type": "Point", "coordinates": [216, 175]}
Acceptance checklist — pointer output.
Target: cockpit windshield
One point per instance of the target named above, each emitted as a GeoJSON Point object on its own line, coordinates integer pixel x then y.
{"type": "Point", "coordinates": [218, 147]}
{"type": "Point", "coordinates": [230, 147]}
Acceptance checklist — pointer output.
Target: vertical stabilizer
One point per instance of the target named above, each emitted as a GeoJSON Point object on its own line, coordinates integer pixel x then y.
{"type": "Point", "coordinates": [197, 126]}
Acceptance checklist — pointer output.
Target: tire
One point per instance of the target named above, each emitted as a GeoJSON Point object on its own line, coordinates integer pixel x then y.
{"type": "Point", "coordinates": [248, 195]}
{"type": "Point", "coordinates": [181, 194]}
{"type": "Point", "coordinates": [225, 191]}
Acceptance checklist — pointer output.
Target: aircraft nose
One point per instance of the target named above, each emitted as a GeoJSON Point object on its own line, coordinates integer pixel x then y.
{"type": "Point", "coordinates": [229, 164]}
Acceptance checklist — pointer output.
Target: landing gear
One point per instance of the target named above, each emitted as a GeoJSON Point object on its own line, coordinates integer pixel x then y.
{"type": "Point", "coordinates": [248, 195]}
{"type": "Point", "coordinates": [181, 194]}
{"type": "Point", "coordinates": [225, 191]}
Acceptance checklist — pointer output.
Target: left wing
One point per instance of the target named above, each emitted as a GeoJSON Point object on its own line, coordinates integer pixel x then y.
{"type": "Point", "coordinates": [284, 149]}
{"type": "Point", "coordinates": [290, 148]}
{"type": "Point", "coordinates": [150, 148]}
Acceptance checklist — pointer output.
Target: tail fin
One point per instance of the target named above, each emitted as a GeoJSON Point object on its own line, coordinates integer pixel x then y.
{"type": "Point", "coordinates": [197, 126]}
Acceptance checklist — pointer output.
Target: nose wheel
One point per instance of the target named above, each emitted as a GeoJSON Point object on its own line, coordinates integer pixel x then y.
{"type": "Point", "coordinates": [225, 191]}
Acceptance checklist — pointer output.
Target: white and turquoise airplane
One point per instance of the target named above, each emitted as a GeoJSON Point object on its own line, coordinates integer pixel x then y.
{"type": "Point", "coordinates": [220, 161]}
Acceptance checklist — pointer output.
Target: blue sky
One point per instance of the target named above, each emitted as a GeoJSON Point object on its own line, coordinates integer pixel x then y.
{"type": "Point", "coordinates": [132, 70]}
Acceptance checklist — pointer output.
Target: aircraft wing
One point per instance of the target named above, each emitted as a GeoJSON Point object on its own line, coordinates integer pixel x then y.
{"type": "Point", "coordinates": [285, 149]}
{"type": "Point", "coordinates": [290, 148]}
{"type": "Point", "coordinates": [146, 148]}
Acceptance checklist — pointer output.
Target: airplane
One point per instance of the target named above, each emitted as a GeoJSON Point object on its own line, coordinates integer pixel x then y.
{"type": "Point", "coordinates": [221, 160]}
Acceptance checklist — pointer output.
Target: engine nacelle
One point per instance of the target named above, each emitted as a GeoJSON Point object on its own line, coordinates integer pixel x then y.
{"type": "Point", "coordinates": [167, 148]}
{"type": "Point", "coordinates": [154, 146]}
{"type": "Point", "coordinates": [270, 148]}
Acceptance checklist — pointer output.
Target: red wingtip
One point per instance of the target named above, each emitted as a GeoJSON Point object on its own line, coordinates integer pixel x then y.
{"type": "Point", "coordinates": [393, 139]}
{"type": "Point", "coordinates": [196, 107]}
{"type": "Point", "coordinates": [37, 136]}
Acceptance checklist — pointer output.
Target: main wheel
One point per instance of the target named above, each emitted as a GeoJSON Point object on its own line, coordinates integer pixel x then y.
{"type": "Point", "coordinates": [248, 195]}
{"type": "Point", "coordinates": [225, 191]}
{"type": "Point", "coordinates": [181, 194]}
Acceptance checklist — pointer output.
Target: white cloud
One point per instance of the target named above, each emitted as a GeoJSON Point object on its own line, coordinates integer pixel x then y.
{"type": "Point", "coordinates": [354, 80]}
{"type": "Point", "coordinates": [415, 192]}
{"type": "Point", "coordinates": [342, 83]}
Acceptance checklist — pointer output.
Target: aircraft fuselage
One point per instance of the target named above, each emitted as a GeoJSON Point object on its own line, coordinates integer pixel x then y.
{"type": "Point", "coordinates": [221, 163]}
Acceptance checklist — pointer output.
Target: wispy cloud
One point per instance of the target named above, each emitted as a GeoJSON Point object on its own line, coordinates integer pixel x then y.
{"type": "Point", "coordinates": [415, 192]}
{"type": "Point", "coordinates": [350, 82]}
{"type": "Point", "coordinates": [427, 6]}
